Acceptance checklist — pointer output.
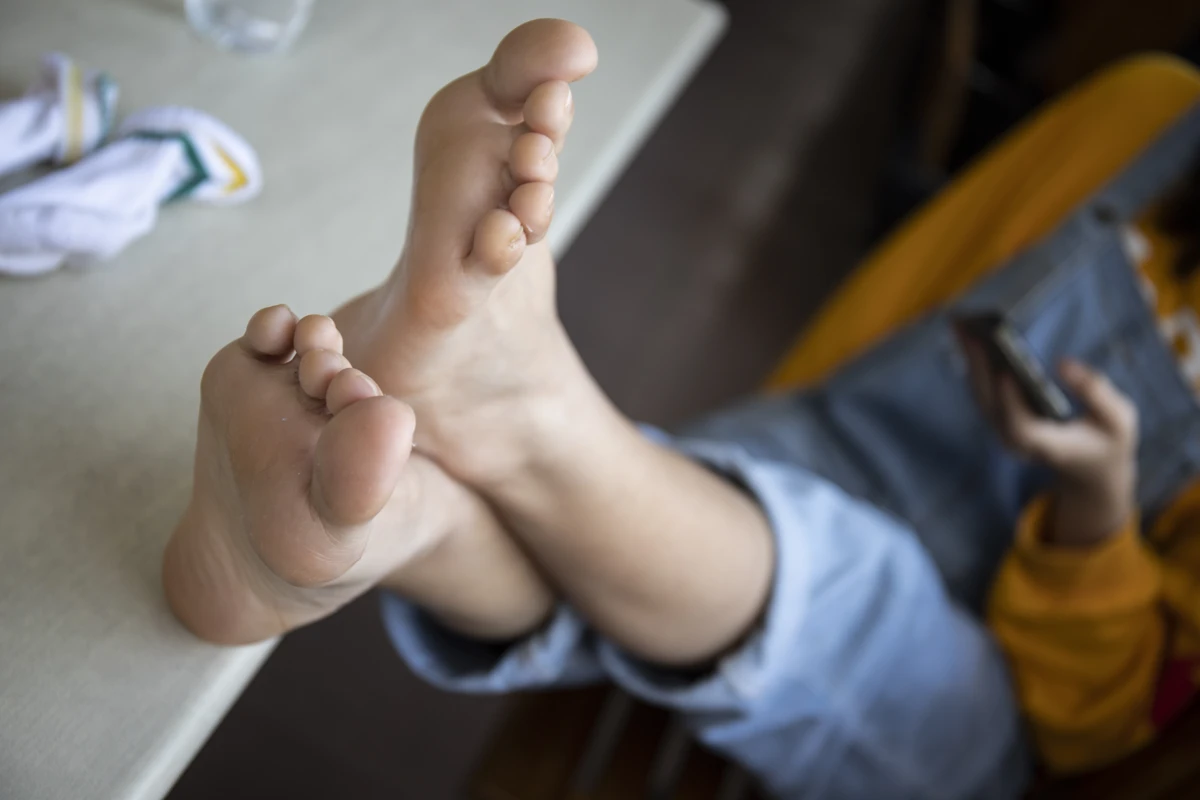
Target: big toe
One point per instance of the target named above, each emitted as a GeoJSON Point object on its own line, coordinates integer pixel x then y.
{"type": "Point", "coordinates": [269, 333]}
{"type": "Point", "coordinates": [360, 457]}
{"type": "Point", "coordinates": [534, 53]}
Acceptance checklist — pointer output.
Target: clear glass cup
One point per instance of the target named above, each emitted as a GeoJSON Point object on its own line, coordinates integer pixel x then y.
{"type": "Point", "coordinates": [250, 26]}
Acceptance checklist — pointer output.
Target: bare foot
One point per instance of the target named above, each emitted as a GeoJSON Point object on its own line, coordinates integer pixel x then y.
{"type": "Point", "coordinates": [465, 329]}
{"type": "Point", "coordinates": [304, 495]}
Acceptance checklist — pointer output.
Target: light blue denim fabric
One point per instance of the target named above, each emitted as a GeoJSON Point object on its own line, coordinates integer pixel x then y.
{"type": "Point", "coordinates": [870, 677]}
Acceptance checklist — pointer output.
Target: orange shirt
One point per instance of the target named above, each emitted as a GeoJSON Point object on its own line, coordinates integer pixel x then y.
{"type": "Point", "coordinates": [1104, 641]}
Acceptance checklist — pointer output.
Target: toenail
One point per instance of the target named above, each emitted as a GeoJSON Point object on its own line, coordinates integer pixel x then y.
{"type": "Point", "coordinates": [569, 101]}
{"type": "Point", "coordinates": [547, 149]}
{"type": "Point", "coordinates": [369, 382]}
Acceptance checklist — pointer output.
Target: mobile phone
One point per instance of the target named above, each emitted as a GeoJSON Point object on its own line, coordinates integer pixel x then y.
{"type": "Point", "coordinates": [1009, 352]}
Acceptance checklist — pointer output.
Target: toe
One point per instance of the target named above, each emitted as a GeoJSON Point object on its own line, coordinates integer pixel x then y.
{"type": "Point", "coordinates": [317, 332]}
{"type": "Point", "coordinates": [533, 158]}
{"type": "Point", "coordinates": [348, 387]}
{"type": "Point", "coordinates": [269, 333]}
{"type": "Point", "coordinates": [359, 459]}
{"type": "Point", "coordinates": [549, 111]}
{"type": "Point", "coordinates": [534, 53]}
{"type": "Point", "coordinates": [533, 205]}
{"type": "Point", "coordinates": [318, 369]}
{"type": "Point", "coordinates": [498, 244]}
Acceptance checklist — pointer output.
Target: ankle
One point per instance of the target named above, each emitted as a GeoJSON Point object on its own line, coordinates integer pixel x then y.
{"type": "Point", "coordinates": [567, 433]}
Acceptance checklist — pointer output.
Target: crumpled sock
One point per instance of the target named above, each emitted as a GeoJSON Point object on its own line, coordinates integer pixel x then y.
{"type": "Point", "coordinates": [64, 115]}
{"type": "Point", "coordinates": [90, 211]}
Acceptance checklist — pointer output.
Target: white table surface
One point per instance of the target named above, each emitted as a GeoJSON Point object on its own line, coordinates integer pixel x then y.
{"type": "Point", "coordinates": [102, 693]}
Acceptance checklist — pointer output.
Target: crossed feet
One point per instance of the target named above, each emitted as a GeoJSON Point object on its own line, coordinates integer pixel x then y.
{"type": "Point", "coordinates": [305, 493]}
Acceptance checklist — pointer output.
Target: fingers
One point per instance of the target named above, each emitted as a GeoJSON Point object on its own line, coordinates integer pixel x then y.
{"type": "Point", "coordinates": [1091, 445]}
{"type": "Point", "coordinates": [1076, 447]}
{"type": "Point", "coordinates": [1000, 401]}
{"type": "Point", "coordinates": [1023, 430]}
{"type": "Point", "coordinates": [1111, 410]}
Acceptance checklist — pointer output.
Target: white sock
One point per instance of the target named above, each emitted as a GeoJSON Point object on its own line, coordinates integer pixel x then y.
{"type": "Point", "coordinates": [92, 210]}
{"type": "Point", "coordinates": [64, 115]}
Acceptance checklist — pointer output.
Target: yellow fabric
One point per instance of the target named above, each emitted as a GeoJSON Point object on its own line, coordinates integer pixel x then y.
{"type": "Point", "coordinates": [1085, 636]}
{"type": "Point", "coordinates": [1015, 195]}
{"type": "Point", "coordinates": [1086, 631]}
{"type": "Point", "coordinates": [238, 179]}
{"type": "Point", "coordinates": [74, 112]}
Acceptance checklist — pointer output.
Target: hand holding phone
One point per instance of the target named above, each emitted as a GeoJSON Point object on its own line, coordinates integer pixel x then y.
{"type": "Point", "coordinates": [1009, 354]}
{"type": "Point", "coordinates": [1094, 452]}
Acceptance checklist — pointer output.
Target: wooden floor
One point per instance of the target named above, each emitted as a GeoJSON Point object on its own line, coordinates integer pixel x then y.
{"type": "Point", "coordinates": [747, 206]}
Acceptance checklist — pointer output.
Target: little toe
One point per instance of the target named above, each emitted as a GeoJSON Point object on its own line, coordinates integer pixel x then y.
{"type": "Point", "coordinates": [317, 332]}
{"type": "Point", "coordinates": [549, 110]}
{"type": "Point", "coordinates": [533, 158]}
{"type": "Point", "coordinates": [536, 52]}
{"type": "Point", "coordinates": [533, 205]}
{"type": "Point", "coordinates": [498, 244]}
{"type": "Point", "coordinates": [269, 333]}
{"type": "Point", "coordinates": [348, 387]}
{"type": "Point", "coordinates": [318, 369]}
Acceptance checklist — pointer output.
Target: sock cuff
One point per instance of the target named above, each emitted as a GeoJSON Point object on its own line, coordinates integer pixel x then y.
{"type": "Point", "coordinates": [87, 102]}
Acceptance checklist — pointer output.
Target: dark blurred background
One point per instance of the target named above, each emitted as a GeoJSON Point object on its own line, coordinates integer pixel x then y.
{"type": "Point", "coordinates": [813, 128]}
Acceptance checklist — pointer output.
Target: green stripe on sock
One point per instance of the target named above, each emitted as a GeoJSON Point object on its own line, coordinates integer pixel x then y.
{"type": "Point", "coordinates": [199, 173]}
